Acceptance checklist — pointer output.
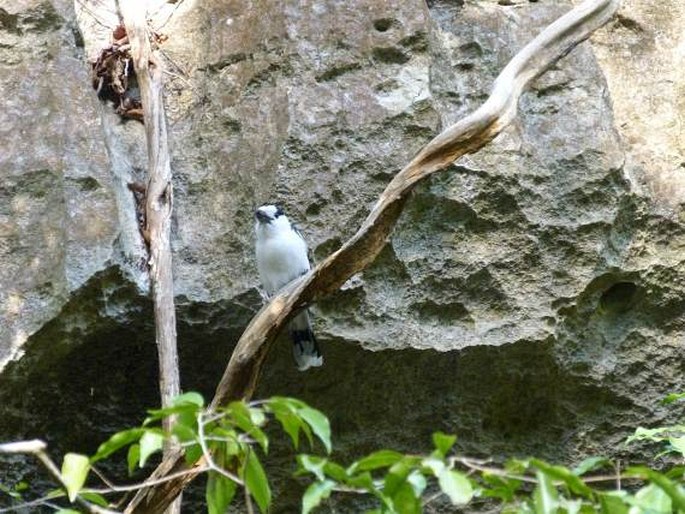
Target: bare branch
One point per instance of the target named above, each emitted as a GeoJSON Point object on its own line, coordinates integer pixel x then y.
{"type": "Point", "coordinates": [38, 448]}
{"type": "Point", "coordinates": [158, 196]}
{"type": "Point", "coordinates": [158, 206]}
{"type": "Point", "coordinates": [113, 488]}
{"type": "Point", "coordinates": [466, 136]}
{"type": "Point", "coordinates": [34, 446]}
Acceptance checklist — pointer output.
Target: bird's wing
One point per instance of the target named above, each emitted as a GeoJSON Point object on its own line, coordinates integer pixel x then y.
{"type": "Point", "coordinates": [310, 254]}
{"type": "Point", "coordinates": [297, 230]}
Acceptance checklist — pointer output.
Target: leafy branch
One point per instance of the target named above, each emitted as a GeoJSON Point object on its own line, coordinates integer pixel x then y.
{"type": "Point", "coordinates": [231, 440]}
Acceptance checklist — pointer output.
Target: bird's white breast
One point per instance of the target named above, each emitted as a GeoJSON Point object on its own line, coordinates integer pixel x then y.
{"type": "Point", "coordinates": [281, 258]}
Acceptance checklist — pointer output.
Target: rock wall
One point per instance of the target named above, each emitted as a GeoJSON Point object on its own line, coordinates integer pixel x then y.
{"type": "Point", "coordinates": [530, 300]}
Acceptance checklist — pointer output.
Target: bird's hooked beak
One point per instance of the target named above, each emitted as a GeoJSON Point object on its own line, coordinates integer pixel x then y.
{"type": "Point", "coordinates": [261, 216]}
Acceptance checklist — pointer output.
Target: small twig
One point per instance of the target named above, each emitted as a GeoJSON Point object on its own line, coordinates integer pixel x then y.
{"type": "Point", "coordinates": [37, 448]}
{"type": "Point", "coordinates": [34, 446]}
{"type": "Point", "coordinates": [477, 466]}
{"type": "Point", "coordinates": [208, 456]}
{"type": "Point", "coordinates": [178, 4]}
{"type": "Point", "coordinates": [432, 498]}
{"type": "Point", "coordinates": [248, 501]}
{"type": "Point", "coordinates": [94, 16]}
{"type": "Point", "coordinates": [33, 503]}
{"type": "Point", "coordinates": [102, 477]}
{"type": "Point", "coordinates": [148, 483]}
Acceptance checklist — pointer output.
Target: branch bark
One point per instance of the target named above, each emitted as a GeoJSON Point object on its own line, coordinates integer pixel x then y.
{"type": "Point", "coordinates": [159, 195]}
{"type": "Point", "coordinates": [158, 204]}
{"type": "Point", "coordinates": [466, 136]}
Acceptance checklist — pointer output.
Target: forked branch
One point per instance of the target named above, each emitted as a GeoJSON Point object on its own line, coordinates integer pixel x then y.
{"type": "Point", "coordinates": [466, 136]}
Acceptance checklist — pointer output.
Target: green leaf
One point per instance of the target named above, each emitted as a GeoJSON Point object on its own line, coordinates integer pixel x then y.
{"type": "Point", "coordinates": [405, 501]}
{"type": "Point", "coordinates": [151, 442]}
{"type": "Point", "coordinates": [55, 493]}
{"type": "Point", "coordinates": [443, 442]}
{"type": "Point", "coordinates": [673, 490]}
{"type": "Point", "coordinates": [656, 434]}
{"type": "Point", "coordinates": [455, 485]}
{"type": "Point", "coordinates": [673, 397]}
{"type": "Point", "coordinates": [192, 454]}
{"type": "Point", "coordinates": [676, 472]}
{"type": "Point", "coordinates": [258, 417]}
{"type": "Point", "coordinates": [500, 487]}
{"type": "Point", "coordinates": [590, 464]}
{"type": "Point", "coordinates": [117, 441]}
{"type": "Point", "coordinates": [678, 444]}
{"type": "Point", "coordinates": [219, 493]}
{"type": "Point", "coordinates": [191, 397]}
{"type": "Point", "coordinates": [437, 466]}
{"type": "Point", "coordinates": [571, 506]}
{"type": "Point", "coordinates": [133, 457]}
{"type": "Point", "coordinates": [651, 499]}
{"type": "Point", "coordinates": [228, 445]}
{"type": "Point", "coordinates": [11, 491]}
{"type": "Point", "coordinates": [287, 413]}
{"type": "Point", "coordinates": [335, 471]}
{"type": "Point", "coordinates": [185, 407]}
{"type": "Point", "coordinates": [187, 412]}
{"type": "Point", "coordinates": [184, 433]}
{"type": "Point", "coordinates": [315, 493]}
{"type": "Point", "coordinates": [95, 498]}
{"type": "Point", "coordinates": [396, 476]}
{"type": "Point", "coordinates": [240, 414]}
{"type": "Point", "coordinates": [256, 481]}
{"type": "Point", "coordinates": [418, 482]}
{"type": "Point", "coordinates": [575, 484]}
{"type": "Point", "coordinates": [613, 502]}
{"type": "Point", "coordinates": [67, 511]}
{"type": "Point", "coordinates": [313, 464]}
{"type": "Point", "coordinates": [75, 469]}
{"type": "Point", "coordinates": [545, 495]}
{"type": "Point", "coordinates": [363, 481]}
{"type": "Point", "coordinates": [285, 402]}
{"type": "Point", "coordinates": [320, 425]}
{"type": "Point", "coordinates": [379, 459]}
{"type": "Point", "coordinates": [290, 423]}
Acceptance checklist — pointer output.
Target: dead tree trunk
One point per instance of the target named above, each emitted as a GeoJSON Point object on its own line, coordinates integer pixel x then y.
{"type": "Point", "coordinates": [158, 203]}
{"type": "Point", "coordinates": [466, 136]}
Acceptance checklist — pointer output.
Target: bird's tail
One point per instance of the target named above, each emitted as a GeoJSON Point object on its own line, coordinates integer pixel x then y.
{"type": "Point", "coordinates": [305, 348]}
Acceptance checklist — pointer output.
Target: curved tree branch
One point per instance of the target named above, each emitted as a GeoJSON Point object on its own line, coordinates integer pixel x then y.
{"type": "Point", "coordinates": [466, 136]}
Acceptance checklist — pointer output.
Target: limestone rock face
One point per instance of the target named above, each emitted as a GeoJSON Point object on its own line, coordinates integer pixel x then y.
{"type": "Point", "coordinates": [531, 298]}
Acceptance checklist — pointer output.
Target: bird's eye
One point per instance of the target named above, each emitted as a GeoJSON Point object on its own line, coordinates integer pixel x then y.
{"type": "Point", "coordinates": [279, 212]}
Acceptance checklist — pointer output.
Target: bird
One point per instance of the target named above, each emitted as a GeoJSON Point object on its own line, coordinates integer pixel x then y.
{"type": "Point", "coordinates": [281, 258]}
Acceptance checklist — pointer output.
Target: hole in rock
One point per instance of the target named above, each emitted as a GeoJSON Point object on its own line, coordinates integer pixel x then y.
{"type": "Point", "coordinates": [618, 298]}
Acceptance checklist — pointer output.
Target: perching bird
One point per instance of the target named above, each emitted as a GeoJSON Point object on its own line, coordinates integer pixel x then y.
{"type": "Point", "coordinates": [281, 258]}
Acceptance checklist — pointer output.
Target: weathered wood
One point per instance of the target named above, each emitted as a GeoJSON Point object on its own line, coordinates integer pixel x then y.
{"type": "Point", "coordinates": [466, 136]}
{"type": "Point", "coordinates": [158, 204]}
{"type": "Point", "coordinates": [159, 195]}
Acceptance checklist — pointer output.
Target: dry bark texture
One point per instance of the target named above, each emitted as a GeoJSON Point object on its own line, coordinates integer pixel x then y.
{"type": "Point", "coordinates": [551, 298]}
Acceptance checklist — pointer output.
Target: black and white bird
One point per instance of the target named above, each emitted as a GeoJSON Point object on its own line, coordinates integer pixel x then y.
{"type": "Point", "coordinates": [281, 258]}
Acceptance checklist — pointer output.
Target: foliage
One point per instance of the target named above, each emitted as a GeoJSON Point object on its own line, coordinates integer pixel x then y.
{"type": "Point", "coordinates": [230, 443]}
